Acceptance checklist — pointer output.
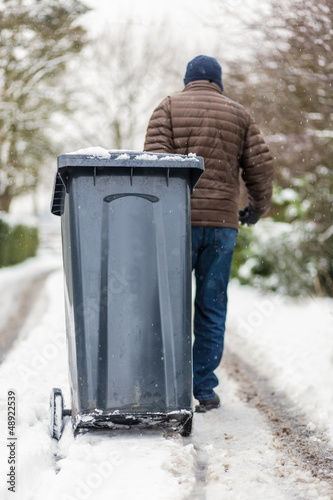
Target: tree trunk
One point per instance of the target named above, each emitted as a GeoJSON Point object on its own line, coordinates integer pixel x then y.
{"type": "Point", "coordinates": [5, 201]}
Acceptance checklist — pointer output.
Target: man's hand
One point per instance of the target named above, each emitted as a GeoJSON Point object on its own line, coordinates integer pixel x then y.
{"type": "Point", "coordinates": [248, 216]}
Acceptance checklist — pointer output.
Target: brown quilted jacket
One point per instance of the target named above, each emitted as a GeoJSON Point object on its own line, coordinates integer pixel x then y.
{"type": "Point", "coordinates": [201, 120]}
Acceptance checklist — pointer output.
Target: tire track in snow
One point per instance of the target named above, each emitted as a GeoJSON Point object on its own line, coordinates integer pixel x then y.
{"type": "Point", "coordinates": [25, 300]}
{"type": "Point", "coordinates": [200, 473]}
{"type": "Point", "coordinates": [234, 458]}
{"type": "Point", "coordinates": [300, 442]}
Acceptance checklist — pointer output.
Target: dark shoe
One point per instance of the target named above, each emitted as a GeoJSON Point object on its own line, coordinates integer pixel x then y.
{"type": "Point", "coordinates": [208, 404]}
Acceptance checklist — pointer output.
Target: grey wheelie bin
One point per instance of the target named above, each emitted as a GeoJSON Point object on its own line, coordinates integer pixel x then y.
{"type": "Point", "coordinates": [125, 222]}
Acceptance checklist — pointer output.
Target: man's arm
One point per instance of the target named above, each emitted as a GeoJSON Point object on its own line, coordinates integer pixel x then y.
{"type": "Point", "coordinates": [159, 137]}
{"type": "Point", "coordinates": [257, 166]}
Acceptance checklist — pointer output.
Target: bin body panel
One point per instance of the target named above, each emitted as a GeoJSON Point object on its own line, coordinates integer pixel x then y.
{"type": "Point", "coordinates": [127, 262]}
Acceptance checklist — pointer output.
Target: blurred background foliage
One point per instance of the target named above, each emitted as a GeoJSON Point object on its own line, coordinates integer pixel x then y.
{"type": "Point", "coordinates": [64, 89]}
{"type": "Point", "coordinates": [18, 242]}
{"type": "Point", "coordinates": [289, 88]}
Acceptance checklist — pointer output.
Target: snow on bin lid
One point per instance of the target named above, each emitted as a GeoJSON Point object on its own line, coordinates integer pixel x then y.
{"type": "Point", "coordinates": [91, 152]}
{"type": "Point", "coordinates": [100, 157]}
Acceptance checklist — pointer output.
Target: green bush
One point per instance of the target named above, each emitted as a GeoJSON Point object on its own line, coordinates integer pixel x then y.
{"type": "Point", "coordinates": [17, 243]}
{"type": "Point", "coordinates": [292, 259]}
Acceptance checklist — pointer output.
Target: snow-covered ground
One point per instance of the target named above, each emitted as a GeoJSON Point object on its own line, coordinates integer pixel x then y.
{"type": "Point", "coordinates": [231, 454]}
{"type": "Point", "coordinates": [291, 342]}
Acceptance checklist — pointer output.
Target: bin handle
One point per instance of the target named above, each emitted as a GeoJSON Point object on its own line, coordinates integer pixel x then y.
{"type": "Point", "coordinates": [149, 197]}
{"type": "Point", "coordinates": [62, 181]}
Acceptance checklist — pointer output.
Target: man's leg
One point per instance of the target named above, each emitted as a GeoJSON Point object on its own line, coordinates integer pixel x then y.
{"type": "Point", "coordinates": [212, 251]}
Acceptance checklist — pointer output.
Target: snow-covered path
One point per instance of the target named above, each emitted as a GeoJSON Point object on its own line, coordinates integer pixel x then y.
{"type": "Point", "coordinates": [233, 453]}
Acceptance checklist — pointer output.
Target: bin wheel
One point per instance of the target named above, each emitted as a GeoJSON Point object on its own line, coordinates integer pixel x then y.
{"type": "Point", "coordinates": [187, 427]}
{"type": "Point", "coordinates": [56, 413]}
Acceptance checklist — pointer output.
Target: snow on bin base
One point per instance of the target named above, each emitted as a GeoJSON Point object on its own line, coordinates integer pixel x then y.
{"type": "Point", "coordinates": [179, 421]}
{"type": "Point", "coordinates": [126, 238]}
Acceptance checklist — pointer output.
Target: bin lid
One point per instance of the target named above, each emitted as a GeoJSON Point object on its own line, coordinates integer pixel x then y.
{"type": "Point", "coordinates": [103, 158]}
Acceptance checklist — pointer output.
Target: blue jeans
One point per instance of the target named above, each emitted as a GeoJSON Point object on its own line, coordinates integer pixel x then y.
{"type": "Point", "coordinates": [212, 251]}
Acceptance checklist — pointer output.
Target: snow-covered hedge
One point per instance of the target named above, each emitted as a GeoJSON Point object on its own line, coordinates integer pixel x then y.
{"type": "Point", "coordinates": [283, 257]}
{"type": "Point", "coordinates": [17, 242]}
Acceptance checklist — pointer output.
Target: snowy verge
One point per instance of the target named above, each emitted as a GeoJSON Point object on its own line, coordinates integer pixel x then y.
{"type": "Point", "coordinates": [289, 341]}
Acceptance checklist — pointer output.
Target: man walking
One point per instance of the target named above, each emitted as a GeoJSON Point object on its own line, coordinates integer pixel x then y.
{"type": "Point", "coordinates": [201, 120]}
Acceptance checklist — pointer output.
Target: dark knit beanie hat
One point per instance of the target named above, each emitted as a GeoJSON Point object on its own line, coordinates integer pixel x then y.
{"type": "Point", "coordinates": [204, 68]}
